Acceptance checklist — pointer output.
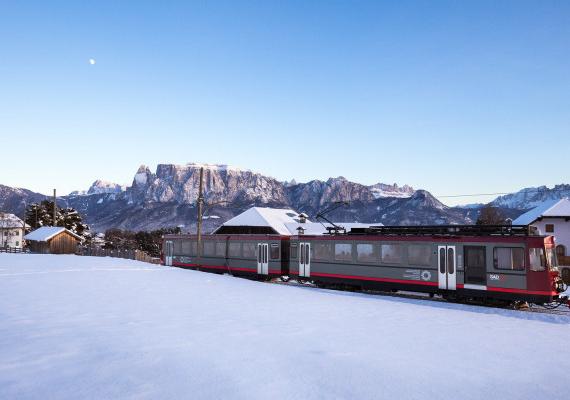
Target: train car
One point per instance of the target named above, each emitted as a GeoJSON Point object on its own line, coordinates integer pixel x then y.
{"type": "Point", "coordinates": [502, 263]}
{"type": "Point", "coordinates": [253, 256]}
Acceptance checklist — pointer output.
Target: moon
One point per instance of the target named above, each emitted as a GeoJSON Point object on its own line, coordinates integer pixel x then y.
{"type": "Point", "coordinates": [92, 61]}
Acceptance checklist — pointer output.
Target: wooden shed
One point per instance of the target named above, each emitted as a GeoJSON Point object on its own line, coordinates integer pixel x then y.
{"type": "Point", "coordinates": [52, 240]}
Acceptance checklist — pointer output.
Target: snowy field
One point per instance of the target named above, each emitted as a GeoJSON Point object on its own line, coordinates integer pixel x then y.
{"type": "Point", "coordinates": [101, 328]}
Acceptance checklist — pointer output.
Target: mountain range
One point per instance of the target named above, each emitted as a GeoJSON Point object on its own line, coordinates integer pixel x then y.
{"type": "Point", "coordinates": [167, 197]}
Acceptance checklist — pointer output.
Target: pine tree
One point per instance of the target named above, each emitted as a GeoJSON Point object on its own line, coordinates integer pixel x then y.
{"type": "Point", "coordinates": [38, 215]}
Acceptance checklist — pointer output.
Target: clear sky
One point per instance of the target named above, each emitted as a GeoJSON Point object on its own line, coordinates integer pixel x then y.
{"type": "Point", "coordinates": [453, 97]}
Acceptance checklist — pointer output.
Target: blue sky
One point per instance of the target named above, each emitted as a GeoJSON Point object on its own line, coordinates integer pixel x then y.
{"type": "Point", "coordinates": [453, 97]}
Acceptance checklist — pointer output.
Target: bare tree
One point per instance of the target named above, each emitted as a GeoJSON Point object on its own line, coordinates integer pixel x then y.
{"type": "Point", "coordinates": [490, 215]}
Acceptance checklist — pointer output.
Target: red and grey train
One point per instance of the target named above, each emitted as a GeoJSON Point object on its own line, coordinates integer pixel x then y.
{"type": "Point", "coordinates": [500, 264]}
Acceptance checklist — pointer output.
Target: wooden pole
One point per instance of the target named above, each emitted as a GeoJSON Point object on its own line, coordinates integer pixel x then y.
{"type": "Point", "coordinates": [54, 209]}
{"type": "Point", "coordinates": [200, 206]}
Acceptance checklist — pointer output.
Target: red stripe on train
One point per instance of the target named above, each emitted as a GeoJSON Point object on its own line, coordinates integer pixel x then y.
{"type": "Point", "coordinates": [254, 270]}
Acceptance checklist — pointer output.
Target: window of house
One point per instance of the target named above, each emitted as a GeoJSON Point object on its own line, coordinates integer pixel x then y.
{"type": "Point", "coordinates": [274, 251]}
{"type": "Point", "coordinates": [391, 253]}
{"type": "Point", "coordinates": [294, 251]}
{"type": "Point", "coordinates": [209, 248]}
{"type": "Point", "coordinates": [537, 259]}
{"type": "Point", "coordinates": [511, 258]}
{"type": "Point", "coordinates": [234, 250]}
{"type": "Point", "coordinates": [343, 252]}
{"type": "Point", "coordinates": [220, 249]}
{"type": "Point", "coordinates": [549, 228]}
{"type": "Point", "coordinates": [366, 252]}
{"type": "Point", "coordinates": [419, 254]}
{"type": "Point", "coordinates": [249, 250]}
{"type": "Point", "coordinates": [321, 251]}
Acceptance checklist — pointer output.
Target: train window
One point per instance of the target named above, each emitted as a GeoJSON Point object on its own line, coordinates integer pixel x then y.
{"type": "Point", "coordinates": [442, 260]}
{"type": "Point", "coordinates": [474, 258]}
{"type": "Point", "coordinates": [537, 259]}
{"type": "Point", "coordinates": [549, 228]}
{"type": "Point", "coordinates": [560, 250]}
{"type": "Point", "coordinates": [552, 259]}
{"type": "Point", "coordinates": [508, 258]}
{"type": "Point", "coordinates": [209, 248]}
{"type": "Point", "coordinates": [294, 251]}
{"type": "Point", "coordinates": [419, 254]}
{"type": "Point", "coordinates": [234, 250]}
{"type": "Point", "coordinates": [343, 252]}
{"type": "Point", "coordinates": [185, 248]}
{"type": "Point", "coordinates": [391, 253]}
{"type": "Point", "coordinates": [220, 249]}
{"type": "Point", "coordinates": [177, 247]}
{"type": "Point", "coordinates": [274, 251]}
{"type": "Point", "coordinates": [249, 250]}
{"type": "Point", "coordinates": [366, 252]}
{"type": "Point", "coordinates": [450, 260]}
{"type": "Point", "coordinates": [193, 248]}
{"type": "Point", "coordinates": [321, 251]}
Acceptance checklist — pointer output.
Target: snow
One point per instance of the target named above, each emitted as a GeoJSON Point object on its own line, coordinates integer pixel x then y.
{"type": "Point", "coordinates": [92, 328]}
{"type": "Point", "coordinates": [276, 218]}
{"type": "Point", "coordinates": [11, 221]}
{"type": "Point", "coordinates": [45, 233]}
{"type": "Point", "coordinates": [551, 208]}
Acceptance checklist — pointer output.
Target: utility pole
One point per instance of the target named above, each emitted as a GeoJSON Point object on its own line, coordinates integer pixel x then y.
{"type": "Point", "coordinates": [200, 205]}
{"type": "Point", "coordinates": [54, 209]}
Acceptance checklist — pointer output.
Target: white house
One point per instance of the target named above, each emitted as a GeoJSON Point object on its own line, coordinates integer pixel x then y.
{"type": "Point", "coordinates": [11, 230]}
{"type": "Point", "coordinates": [551, 218]}
{"type": "Point", "coordinates": [286, 222]}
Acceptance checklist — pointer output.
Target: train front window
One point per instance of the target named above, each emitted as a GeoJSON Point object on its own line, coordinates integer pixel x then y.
{"type": "Point", "coordinates": [537, 259]}
{"type": "Point", "coordinates": [552, 259]}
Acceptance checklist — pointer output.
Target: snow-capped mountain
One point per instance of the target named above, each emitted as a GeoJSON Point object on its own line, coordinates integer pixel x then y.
{"type": "Point", "coordinates": [99, 187]}
{"type": "Point", "coordinates": [167, 197]}
{"type": "Point", "coordinates": [384, 190]}
{"type": "Point", "coordinates": [528, 198]}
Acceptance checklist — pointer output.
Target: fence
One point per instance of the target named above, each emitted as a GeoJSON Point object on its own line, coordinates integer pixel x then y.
{"type": "Point", "coordinates": [12, 250]}
{"type": "Point", "coordinates": [128, 254]}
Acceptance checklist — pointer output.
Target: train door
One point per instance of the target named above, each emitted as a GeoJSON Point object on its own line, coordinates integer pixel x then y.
{"type": "Point", "coordinates": [168, 252]}
{"type": "Point", "coordinates": [446, 273]}
{"type": "Point", "coordinates": [305, 259]}
{"type": "Point", "coordinates": [263, 258]}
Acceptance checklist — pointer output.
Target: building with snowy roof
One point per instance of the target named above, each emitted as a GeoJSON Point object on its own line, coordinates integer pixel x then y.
{"type": "Point", "coordinates": [52, 240]}
{"type": "Point", "coordinates": [12, 230]}
{"type": "Point", "coordinates": [551, 218]}
{"type": "Point", "coordinates": [278, 221]}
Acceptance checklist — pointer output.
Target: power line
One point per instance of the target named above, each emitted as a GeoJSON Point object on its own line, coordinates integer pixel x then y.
{"type": "Point", "coordinates": [505, 193]}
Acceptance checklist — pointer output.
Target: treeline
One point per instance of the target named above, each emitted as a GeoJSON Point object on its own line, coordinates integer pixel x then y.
{"type": "Point", "coordinates": [149, 242]}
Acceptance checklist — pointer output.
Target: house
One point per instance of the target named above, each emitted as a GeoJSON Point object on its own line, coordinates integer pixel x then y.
{"type": "Point", "coordinates": [276, 221]}
{"type": "Point", "coordinates": [12, 230]}
{"type": "Point", "coordinates": [551, 218]}
{"type": "Point", "coordinates": [52, 240]}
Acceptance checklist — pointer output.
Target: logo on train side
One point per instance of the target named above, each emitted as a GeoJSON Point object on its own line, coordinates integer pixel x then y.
{"type": "Point", "coordinates": [426, 275]}
{"type": "Point", "coordinates": [495, 277]}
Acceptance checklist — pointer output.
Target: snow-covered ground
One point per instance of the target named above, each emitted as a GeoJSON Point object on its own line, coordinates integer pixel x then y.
{"type": "Point", "coordinates": [101, 328]}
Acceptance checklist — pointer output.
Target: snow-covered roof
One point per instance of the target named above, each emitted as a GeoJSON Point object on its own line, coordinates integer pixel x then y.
{"type": "Point", "coordinates": [285, 221]}
{"type": "Point", "coordinates": [275, 218]}
{"type": "Point", "coordinates": [45, 233]}
{"type": "Point", "coordinates": [11, 221]}
{"type": "Point", "coordinates": [551, 208]}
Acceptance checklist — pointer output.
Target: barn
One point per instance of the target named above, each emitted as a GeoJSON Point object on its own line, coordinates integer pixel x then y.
{"type": "Point", "coordinates": [52, 240]}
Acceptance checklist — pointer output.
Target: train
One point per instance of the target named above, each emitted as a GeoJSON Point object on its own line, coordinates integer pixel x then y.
{"type": "Point", "coordinates": [491, 264]}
